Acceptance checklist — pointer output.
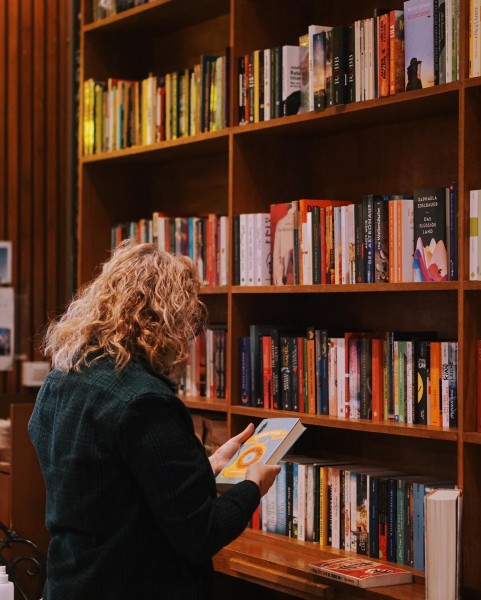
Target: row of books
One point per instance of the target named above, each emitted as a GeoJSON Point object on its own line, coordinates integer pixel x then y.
{"type": "Point", "coordinates": [205, 374]}
{"type": "Point", "coordinates": [381, 376]}
{"type": "Point", "coordinates": [120, 113]}
{"type": "Point", "coordinates": [101, 9]}
{"type": "Point", "coordinates": [372, 511]}
{"type": "Point", "coordinates": [351, 63]}
{"type": "Point", "coordinates": [204, 239]}
{"type": "Point", "coordinates": [382, 239]}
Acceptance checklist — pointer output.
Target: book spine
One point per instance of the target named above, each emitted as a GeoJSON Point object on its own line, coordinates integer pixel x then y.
{"type": "Point", "coordinates": [391, 519]}
{"type": "Point", "coordinates": [245, 371]}
{"type": "Point", "coordinates": [453, 384]}
{"type": "Point", "coordinates": [373, 516]}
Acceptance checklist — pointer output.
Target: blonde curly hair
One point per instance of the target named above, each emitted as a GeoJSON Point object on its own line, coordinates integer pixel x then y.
{"type": "Point", "coordinates": [143, 306]}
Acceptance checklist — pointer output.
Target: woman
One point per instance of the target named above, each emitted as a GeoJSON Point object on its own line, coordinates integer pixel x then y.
{"type": "Point", "coordinates": [131, 501]}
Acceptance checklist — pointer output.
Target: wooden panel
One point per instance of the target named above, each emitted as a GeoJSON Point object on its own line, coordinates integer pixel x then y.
{"type": "Point", "coordinates": [28, 489]}
{"type": "Point", "coordinates": [34, 151]}
{"type": "Point", "coordinates": [5, 512]}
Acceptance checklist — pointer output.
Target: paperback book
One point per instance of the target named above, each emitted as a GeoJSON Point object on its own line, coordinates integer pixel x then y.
{"type": "Point", "coordinates": [361, 572]}
{"type": "Point", "coordinates": [269, 443]}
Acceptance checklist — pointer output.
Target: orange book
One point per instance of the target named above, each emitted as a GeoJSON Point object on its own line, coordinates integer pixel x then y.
{"type": "Point", "coordinates": [383, 59]}
{"type": "Point", "coordinates": [435, 413]}
{"type": "Point", "coordinates": [392, 242]}
{"type": "Point", "coordinates": [305, 206]}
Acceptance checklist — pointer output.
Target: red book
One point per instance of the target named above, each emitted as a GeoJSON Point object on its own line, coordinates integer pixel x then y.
{"type": "Point", "coordinates": [363, 573]}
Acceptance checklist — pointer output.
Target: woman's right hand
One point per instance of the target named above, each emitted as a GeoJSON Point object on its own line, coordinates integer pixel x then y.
{"type": "Point", "coordinates": [262, 475]}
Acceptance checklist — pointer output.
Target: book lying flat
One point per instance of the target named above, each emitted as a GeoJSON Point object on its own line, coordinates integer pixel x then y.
{"type": "Point", "coordinates": [361, 572]}
{"type": "Point", "coordinates": [269, 443]}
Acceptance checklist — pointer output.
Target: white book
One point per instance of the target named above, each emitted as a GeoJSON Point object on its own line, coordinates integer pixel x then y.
{"type": "Point", "coordinates": [473, 235]}
{"type": "Point", "coordinates": [344, 246]}
{"type": "Point", "coordinates": [262, 236]}
{"type": "Point", "coordinates": [357, 60]}
{"type": "Point", "coordinates": [251, 263]}
{"type": "Point", "coordinates": [409, 382]}
{"type": "Point", "coordinates": [369, 31]}
{"type": "Point", "coordinates": [310, 503]}
{"type": "Point", "coordinates": [443, 508]}
{"type": "Point", "coordinates": [271, 509]}
{"type": "Point", "coordinates": [243, 248]}
{"type": "Point", "coordinates": [291, 78]}
{"type": "Point", "coordinates": [301, 501]}
{"type": "Point", "coordinates": [307, 250]}
{"type": "Point", "coordinates": [335, 483]}
{"type": "Point", "coordinates": [267, 84]}
{"type": "Point", "coordinates": [336, 219]}
{"type": "Point", "coordinates": [223, 249]}
{"type": "Point", "coordinates": [448, 19]}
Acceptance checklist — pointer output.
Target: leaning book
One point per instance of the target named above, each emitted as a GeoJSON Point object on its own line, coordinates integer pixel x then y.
{"type": "Point", "coordinates": [360, 572]}
{"type": "Point", "coordinates": [269, 443]}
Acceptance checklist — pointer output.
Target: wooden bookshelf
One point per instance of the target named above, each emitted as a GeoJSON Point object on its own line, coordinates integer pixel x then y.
{"type": "Point", "coordinates": [412, 140]}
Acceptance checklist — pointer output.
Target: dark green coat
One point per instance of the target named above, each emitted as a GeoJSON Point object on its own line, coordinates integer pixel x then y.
{"type": "Point", "coordinates": [131, 500]}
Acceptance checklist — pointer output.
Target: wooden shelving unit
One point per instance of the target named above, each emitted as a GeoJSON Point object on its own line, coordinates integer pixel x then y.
{"type": "Point", "coordinates": [400, 143]}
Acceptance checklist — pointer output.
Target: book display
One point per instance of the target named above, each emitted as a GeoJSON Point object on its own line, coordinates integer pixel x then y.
{"type": "Point", "coordinates": [343, 283]}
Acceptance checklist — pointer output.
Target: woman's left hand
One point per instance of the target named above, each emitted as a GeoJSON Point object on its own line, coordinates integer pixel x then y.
{"type": "Point", "coordinates": [222, 455]}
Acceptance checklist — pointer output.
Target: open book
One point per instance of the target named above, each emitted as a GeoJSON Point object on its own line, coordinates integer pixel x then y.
{"type": "Point", "coordinates": [270, 441]}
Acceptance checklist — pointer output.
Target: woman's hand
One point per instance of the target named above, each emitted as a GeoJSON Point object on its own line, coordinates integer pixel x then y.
{"type": "Point", "coordinates": [262, 475]}
{"type": "Point", "coordinates": [222, 455]}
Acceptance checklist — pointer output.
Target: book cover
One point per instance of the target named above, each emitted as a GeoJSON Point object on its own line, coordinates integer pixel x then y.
{"type": "Point", "coordinates": [282, 242]}
{"type": "Point", "coordinates": [361, 572]}
{"type": "Point", "coordinates": [292, 57]}
{"type": "Point", "coordinates": [269, 443]}
{"type": "Point", "coordinates": [419, 16]}
{"type": "Point", "coordinates": [430, 236]}
{"type": "Point", "coordinates": [319, 71]}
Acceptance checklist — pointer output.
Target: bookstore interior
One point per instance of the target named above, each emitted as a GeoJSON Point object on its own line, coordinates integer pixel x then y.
{"type": "Point", "coordinates": [320, 164]}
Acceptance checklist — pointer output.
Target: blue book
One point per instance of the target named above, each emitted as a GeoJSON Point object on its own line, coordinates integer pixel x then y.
{"type": "Point", "coordinates": [420, 24]}
{"type": "Point", "coordinates": [270, 441]}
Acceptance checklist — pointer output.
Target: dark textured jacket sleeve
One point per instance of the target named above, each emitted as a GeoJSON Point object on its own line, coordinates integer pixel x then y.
{"type": "Point", "coordinates": [168, 461]}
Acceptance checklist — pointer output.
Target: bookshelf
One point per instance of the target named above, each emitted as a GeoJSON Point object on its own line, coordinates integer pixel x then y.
{"type": "Point", "coordinates": [411, 140]}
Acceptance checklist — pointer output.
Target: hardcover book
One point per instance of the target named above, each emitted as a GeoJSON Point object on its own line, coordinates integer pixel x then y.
{"type": "Point", "coordinates": [430, 235]}
{"type": "Point", "coordinates": [361, 572]}
{"type": "Point", "coordinates": [269, 443]}
{"type": "Point", "coordinates": [419, 27]}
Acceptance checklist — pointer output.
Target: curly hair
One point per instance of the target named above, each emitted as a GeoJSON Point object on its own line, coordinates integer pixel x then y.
{"type": "Point", "coordinates": [143, 306]}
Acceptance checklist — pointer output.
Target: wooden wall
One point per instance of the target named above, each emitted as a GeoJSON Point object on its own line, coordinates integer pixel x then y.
{"type": "Point", "coordinates": [35, 167]}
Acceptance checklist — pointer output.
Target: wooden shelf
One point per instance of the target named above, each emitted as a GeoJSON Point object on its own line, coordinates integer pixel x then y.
{"type": "Point", "coordinates": [284, 563]}
{"type": "Point", "coordinates": [211, 404]}
{"type": "Point", "coordinates": [160, 16]}
{"type": "Point", "coordinates": [396, 144]}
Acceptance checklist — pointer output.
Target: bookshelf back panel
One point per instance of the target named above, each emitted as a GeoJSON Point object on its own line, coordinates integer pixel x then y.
{"type": "Point", "coordinates": [133, 54]}
{"type": "Point", "coordinates": [472, 138]}
{"type": "Point", "coordinates": [471, 503]}
{"type": "Point", "coordinates": [357, 162]}
{"type": "Point", "coordinates": [468, 362]}
{"type": "Point", "coordinates": [191, 187]}
{"type": "Point", "coordinates": [269, 169]}
{"type": "Point", "coordinates": [427, 311]}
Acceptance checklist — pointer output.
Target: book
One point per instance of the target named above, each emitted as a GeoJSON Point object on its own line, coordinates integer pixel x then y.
{"type": "Point", "coordinates": [396, 52]}
{"type": "Point", "coordinates": [361, 572]}
{"type": "Point", "coordinates": [430, 235]}
{"type": "Point", "coordinates": [443, 509]}
{"type": "Point", "coordinates": [269, 443]}
{"type": "Point", "coordinates": [420, 23]}
{"type": "Point", "coordinates": [282, 242]}
{"type": "Point", "coordinates": [292, 57]}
